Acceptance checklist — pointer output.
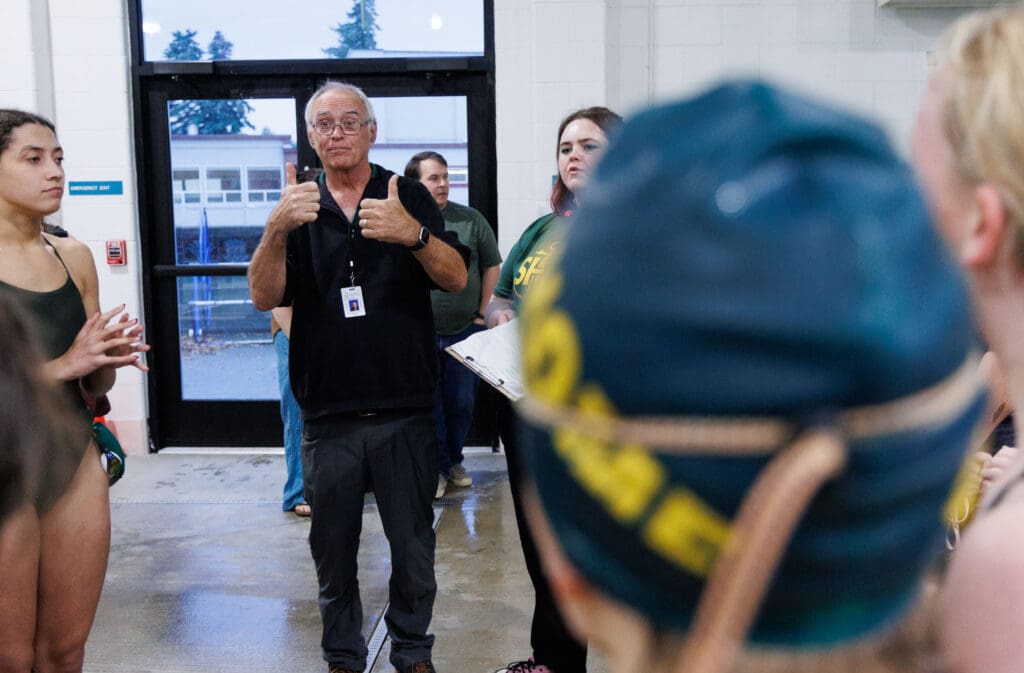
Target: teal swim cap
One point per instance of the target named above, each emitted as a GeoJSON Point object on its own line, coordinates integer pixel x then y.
{"type": "Point", "coordinates": [748, 265]}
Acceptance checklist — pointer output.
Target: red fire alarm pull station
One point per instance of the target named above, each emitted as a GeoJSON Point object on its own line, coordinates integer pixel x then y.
{"type": "Point", "coordinates": [116, 253]}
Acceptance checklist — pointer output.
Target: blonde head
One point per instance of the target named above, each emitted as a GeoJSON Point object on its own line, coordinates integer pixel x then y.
{"type": "Point", "coordinates": [983, 67]}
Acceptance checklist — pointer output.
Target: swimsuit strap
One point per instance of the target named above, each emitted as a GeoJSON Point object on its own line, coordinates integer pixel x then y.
{"type": "Point", "coordinates": [57, 255]}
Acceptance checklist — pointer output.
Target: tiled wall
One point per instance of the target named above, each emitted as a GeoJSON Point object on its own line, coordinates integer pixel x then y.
{"type": "Point", "coordinates": [556, 55]}
{"type": "Point", "coordinates": [68, 59]}
{"type": "Point", "coordinates": [18, 49]}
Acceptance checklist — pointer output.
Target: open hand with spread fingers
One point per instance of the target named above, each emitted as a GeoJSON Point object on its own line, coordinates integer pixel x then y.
{"type": "Point", "coordinates": [102, 343]}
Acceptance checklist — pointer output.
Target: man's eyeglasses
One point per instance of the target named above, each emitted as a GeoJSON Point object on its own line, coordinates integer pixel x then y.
{"type": "Point", "coordinates": [349, 127]}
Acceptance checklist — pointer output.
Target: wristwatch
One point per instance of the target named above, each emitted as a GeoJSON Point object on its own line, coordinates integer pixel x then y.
{"type": "Point", "coordinates": [477, 316]}
{"type": "Point", "coordinates": [423, 238]}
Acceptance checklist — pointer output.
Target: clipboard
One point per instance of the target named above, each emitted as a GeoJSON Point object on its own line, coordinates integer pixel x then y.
{"type": "Point", "coordinates": [493, 355]}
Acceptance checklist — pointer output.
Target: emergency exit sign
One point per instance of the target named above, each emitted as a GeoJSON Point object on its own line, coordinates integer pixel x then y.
{"type": "Point", "coordinates": [95, 188]}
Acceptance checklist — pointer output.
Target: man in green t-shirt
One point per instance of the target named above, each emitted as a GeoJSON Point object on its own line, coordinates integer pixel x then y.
{"type": "Point", "coordinates": [457, 315]}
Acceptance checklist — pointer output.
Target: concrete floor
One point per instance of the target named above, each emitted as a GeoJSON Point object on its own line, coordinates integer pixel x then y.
{"type": "Point", "coordinates": [208, 575]}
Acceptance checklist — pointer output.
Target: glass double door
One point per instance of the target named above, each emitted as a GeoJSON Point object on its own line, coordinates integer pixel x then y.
{"type": "Point", "coordinates": [216, 156]}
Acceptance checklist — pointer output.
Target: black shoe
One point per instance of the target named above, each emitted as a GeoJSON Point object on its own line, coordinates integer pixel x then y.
{"type": "Point", "coordinates": [421, 667]}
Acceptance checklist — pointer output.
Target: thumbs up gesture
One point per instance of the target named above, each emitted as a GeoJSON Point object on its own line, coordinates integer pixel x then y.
{"type": "Point", "coordinates": [387, 220]}
{"type": "Point", "coordinates": [298, 205]}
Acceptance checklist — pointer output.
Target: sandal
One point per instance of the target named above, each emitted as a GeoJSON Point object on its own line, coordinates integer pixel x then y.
{"type": "Point", "coordinates": [302, 509]}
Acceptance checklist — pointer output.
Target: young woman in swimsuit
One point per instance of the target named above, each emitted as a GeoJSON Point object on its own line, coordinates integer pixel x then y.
{"type": "Point", "coordinates": [53, 551]}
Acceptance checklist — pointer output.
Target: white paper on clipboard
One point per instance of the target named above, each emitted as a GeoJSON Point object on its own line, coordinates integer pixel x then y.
{"type": "Point", "coordinates": [493, 355]}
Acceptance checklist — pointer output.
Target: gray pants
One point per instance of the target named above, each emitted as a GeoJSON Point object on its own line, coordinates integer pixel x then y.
{"type": "Point", "coordinates": [395, 453]}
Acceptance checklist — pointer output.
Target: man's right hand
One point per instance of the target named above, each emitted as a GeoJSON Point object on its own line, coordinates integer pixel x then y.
{"type": "Point", "coordinates": [298, 205]}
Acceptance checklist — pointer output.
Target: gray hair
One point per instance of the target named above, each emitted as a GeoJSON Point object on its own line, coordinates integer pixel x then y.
{"type": "Point", "coordinates": [335, 85]}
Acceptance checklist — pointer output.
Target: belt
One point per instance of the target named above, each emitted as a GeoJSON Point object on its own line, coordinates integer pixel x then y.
{"type": "Point", "coordinates": [369, 413]}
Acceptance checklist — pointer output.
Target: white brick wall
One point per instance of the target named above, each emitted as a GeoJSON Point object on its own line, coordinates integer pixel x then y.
{"type": "Point", "coordinates": [551, 59]}
{"type": "Point", "coordinates": [17, 54]}
{"type": "Point", "coordinates": [846, 51]}
{"type": "Point", "coordinates": [81, 71]}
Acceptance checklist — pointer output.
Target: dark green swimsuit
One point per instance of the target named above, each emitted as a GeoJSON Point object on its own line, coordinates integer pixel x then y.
{"type": "Point", "coordinates": [57, 316]}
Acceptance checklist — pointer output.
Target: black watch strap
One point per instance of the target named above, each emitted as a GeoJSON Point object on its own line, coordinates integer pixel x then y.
{"type": "Point", "coordinates": [423, 238]}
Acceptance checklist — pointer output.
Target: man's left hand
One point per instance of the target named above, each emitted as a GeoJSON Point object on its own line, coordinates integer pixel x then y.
{"type": "Point", "coordinates": [387, 220]}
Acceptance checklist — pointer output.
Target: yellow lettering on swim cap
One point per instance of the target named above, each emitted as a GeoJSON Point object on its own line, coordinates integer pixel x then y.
{"type": "Point", "coordinates": [638, 477]}
{"type": "Point", "coordinates": [551, 346]}
{"type": "Point", "coordinates": [551, 358]}
{"type": "Point", "coordinates": [585, 457]}
{"type": "Point", "coordinates": [687, 531]}
{"type": "Point", "coordinates": [623, 478]}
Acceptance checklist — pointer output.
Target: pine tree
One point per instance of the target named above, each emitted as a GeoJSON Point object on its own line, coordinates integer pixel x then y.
{"type": "Point", "coordinates": [223, 115]}
{"type": "Point", "coordinates": [358, 33]}
{"type": "Point", "coordinates": [205, 116]}
{"type": "Point", "coordinates": [183, 113]}
{"type": "Point", "coordinates": [220, 48]}
{"type": "Point", "coordinates": [183, 47]}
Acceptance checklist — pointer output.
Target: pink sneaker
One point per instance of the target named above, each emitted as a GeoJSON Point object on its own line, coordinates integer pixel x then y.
{"type": "Point", "coordinates": [525, 667]}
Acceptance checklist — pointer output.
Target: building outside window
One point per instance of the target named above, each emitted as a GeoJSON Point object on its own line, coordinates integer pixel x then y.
{"type": "Point", "coordinates": [223, 185]}
{"type": "Point", "coordinates": [263, 184]}
{"type": "Point", "coordinates": [186, 187]}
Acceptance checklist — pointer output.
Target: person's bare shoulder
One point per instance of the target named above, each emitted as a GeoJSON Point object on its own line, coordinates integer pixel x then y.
{"type": "Point", "coordinates": [78, 258]}
{"type": "Point", "coordinates": [982, 607]}
{"type": "Point", "coordinates": [71, 250]}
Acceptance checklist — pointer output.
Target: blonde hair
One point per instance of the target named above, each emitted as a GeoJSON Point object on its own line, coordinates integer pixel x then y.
{"type": "Point", "coordinates": [984, 111]}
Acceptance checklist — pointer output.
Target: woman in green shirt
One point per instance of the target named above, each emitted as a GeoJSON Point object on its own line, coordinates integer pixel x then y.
{"type": "Point", "coordinates": [582, 138]}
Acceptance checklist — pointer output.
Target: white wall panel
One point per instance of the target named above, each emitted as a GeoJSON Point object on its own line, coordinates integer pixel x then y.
{"type": "Point", "coordinates": [687, 25]}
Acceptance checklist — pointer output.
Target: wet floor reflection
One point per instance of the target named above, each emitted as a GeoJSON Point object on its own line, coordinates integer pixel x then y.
{"type": "Point", "coordinates": [207, 574]}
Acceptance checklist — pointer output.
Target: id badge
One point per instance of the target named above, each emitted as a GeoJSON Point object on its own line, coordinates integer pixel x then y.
{"type": "Point", "coordinates": [352, 301]}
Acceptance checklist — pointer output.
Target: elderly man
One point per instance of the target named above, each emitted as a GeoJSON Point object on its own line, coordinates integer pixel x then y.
{"type": "Point", "coordinates": [356, 254]}
{"type": "Point", "coordinates": [457, 315]}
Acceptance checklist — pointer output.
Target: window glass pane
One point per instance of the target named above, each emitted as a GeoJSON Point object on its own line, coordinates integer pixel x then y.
{"type": "Point", "coordinates": [224, 179]}
{"type": "Point", "coordinates": [185, 183]}
{"type": "Point", "coordinates": [209, 156]}
{"type": "Point", "coordinates": [406, 126]}
{"type": "Point", "coordinates": [264, 178]}
{"type": "Point", "coordinates": [226, 351]}
{"type": "Point", "coordinates": [264, 184]}
{"type": "Point", "coordinates": [183, 30]}
{"type": "Point", "coordinates": [221, 217]}
{"type": "Point", "coordinates": [458, 175]}
{"type": "Point", "coordinates": [223, 185]}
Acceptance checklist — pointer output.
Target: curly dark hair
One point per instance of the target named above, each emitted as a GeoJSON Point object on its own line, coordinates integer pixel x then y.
{"type": "Point", "coordinates": [11, 119]}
